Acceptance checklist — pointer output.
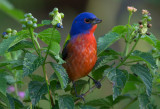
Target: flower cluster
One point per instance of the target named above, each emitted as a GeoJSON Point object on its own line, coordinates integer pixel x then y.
{"type": "Point", "coordinates": [29, 21]}
{"type": "Point", "coordinates": [11, 89]}
{"type": "Point", "coordinates": [143, 24]}
{"type": "Point", "coordinates": [131, 9]}
{"type": "Point", "coordinates": [9, 32]}
{"type": "Point", "coordinates": [57, 18]}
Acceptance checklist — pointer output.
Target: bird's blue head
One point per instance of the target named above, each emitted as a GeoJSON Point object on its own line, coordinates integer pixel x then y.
{"type": "Point", "coordinates": [83, 23]}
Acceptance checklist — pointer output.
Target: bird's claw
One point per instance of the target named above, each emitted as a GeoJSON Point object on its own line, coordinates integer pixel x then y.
{"type": "Point", "coordinates": [98, 84]}
{"type": "Point", "coordinates": [81, 97]}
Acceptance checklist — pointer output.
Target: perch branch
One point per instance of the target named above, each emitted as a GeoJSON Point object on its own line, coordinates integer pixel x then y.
{"type": "Point", "coordinates": [90, 90]}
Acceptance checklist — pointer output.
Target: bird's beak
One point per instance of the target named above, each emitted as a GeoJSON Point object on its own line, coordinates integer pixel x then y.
{"type": "Point", "coordinates": [96, 21]}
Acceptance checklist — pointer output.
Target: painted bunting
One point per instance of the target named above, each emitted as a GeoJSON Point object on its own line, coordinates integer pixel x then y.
{"type": "Point", "coordinates": [80, 52]}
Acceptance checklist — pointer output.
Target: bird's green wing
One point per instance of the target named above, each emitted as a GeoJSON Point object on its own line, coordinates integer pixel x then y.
{"type": "Point", "coordinates": [66, 41]}
{"type": "Point", "coordinates": [64, 52]}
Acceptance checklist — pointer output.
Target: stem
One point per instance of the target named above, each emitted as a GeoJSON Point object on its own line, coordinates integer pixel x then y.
{"type": "Point", "coordinates": [43, 65]}
{"type": "Point", "coordinates": [129, 53]}
{"type": "Point", "coordinates": [126, 48]}
{"type": "Point", "coordinates": [45, 73]}
{"type": "Point", "coordinates": [37, 44]}
{"type": "Point", "coordinates": [128, 37]}
{"type": "Point", "coordinates": [49, 93]}
{"type": "Point", "coordinates": [16, 89]}
{"type": "Point", "coordinates": [33, 40]}
{"type": "Point", "coordinates": [15, 84]}
{"type": "Point", "coordinates": [49, 46]}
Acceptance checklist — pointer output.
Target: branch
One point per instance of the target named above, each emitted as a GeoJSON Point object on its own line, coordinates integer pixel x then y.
{"type": "Point", "coordinates": [90, 90]}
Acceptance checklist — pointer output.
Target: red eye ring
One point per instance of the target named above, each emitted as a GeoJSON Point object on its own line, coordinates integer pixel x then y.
{"type": "Point", "coordinates": [86, 20]}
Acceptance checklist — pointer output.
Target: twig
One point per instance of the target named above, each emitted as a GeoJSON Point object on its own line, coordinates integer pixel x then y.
{"type": "Point", "coordinates": [90, 90]}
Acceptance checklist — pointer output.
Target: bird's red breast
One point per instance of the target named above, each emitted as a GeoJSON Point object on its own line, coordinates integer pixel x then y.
{"type": "Point", "coordinates": [81, 55]}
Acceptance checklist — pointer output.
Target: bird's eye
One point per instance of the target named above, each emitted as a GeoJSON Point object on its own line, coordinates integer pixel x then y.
{"type": "Point", "coordinates": [86, 20]}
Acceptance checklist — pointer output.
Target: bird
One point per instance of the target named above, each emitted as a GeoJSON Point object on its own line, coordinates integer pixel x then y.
{"type": "Point", "coordinates": [80, 51]}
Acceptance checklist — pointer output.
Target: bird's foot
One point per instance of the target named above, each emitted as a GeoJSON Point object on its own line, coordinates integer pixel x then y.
{"type": "Point", "coordinates": [81, 97]}
{"type": "Point", "coordinates": [97, 83]}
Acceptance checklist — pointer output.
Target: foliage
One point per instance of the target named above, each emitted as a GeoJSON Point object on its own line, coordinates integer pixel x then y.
{"type": "Point", "coordinates": [134, 74]}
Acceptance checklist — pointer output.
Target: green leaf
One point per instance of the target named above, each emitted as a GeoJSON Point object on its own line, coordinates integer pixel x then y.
{"type": "Point", "coordinates": [144, 73]}
{"type": "Point", "coordinates": [14, 103]}
{"type": "Point", "coordinates": [31, 63]}
{"type": "Point", "coordinates": [10, 10]}
{"type": "Point", "coordinates": [37, 78]}
{"type": "Point", "coordinates": [61, 74]}
{"type": "Point", "coordinates": [65, 102]}
{"type": "Point", "coordinates": [11, 102]}
{"type": "Point", "coordinates": [107, 102]}
{"type": "Point", "coordinates": [47, 33]}
{"type": "Point", "coordinates": [66, 40]}
{"type": "Point", "coordinates": [55, 85]}
{"type": "Point", "coordinates": [21, 45]}
{"type": "Point", "coordinates": [109, 51]}
{"type": "Point", "coordinates": [151, 39]}
{"type": "Point", "coordinates": [103, 60]}
{"type": "Point", "coordinates": [98, 73]}
{"type": "Point", "coordinates": [144, 102]}
{"type": "Point", "coordinates": [55, 48]}
{"type": "Point", "coordinates": [4, 45]}
{"type": "Point", "coordinates": [18, 104]}
{"type": "Point", "coordinates": [118, 78]}
{"type": "Point", "coordinates": [147, 57]}
{"type": "Point", "coordinates": [2, 64]}
{"type": "Point", "coordinates": [130, 85]}
{"type": "Point", "coordinates": [86, 107]}
{"type": "Point", "coordinates": [120, 29]}
{"type": "Point", "coordinates": [3, 85]}
{"type": "Point", "coordinates": [10, 79]}
{"type": "Point", "coordinates": [80, 86]}
{"type": "Point", "coordinates": [107, 40]}
{"type": "Point", "coordinates": [158, 45]}
{"type": "Point", "coordinates": [37, 90]}
{"type": "Point", "coordinates": [4, 100]}
{"type": "Point", "coordinates": [57, 58]}
{"type": "Point", "coordinates": [21, 35]}
{"type": "Point", "coordinates": [46, 22]}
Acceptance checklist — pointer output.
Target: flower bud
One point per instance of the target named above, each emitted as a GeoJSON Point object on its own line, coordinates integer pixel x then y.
{"type": "Point", "coordinates": [34, 25]}
{"type": "Point", "coordinates": [149, 18]}
{"type": "Point", "coordinates": [9, 34]}
{"type": "Point", "coordinates": [21, 94]}
{"type": "Point", "coordinates": [144, 11]}
{"type": "Point", "coordinates": [145, 16]}
{"type": "Point", "coordinates": [4, 33]}
{"type": "Point", "coordinates": [148, 33]}
{"type": "Point", "coordinates": [62, 15]}
{"type": "Point", "coordinates": [5, 36]}
{"type": "Point", "coordinates": [149, 25]}
{"type": "Point", "coordinates": [131, 9]}
{"type": "Point", "coordinates": [55, 10]}
{"type": "Point", "coordinates": [10, 89]}
{"type": "Point", "coordinates": [24, 26]}
{"type": "Point", "coordinates": [14, 32]}
{"type": "Point", "coordinates": [59, 25]}
{"type": "Point", "coordinates": [34, 20]}
{"type": "Point", "coordinates": [9, 30]}
{"type": "Point", "coordinates": [29, 23]}
{"type": "Point", "coordinates": [140, 26]}
{"type": "Point", "coordinates": [140, 22]}
{"type": "Point", "coordinates": [29, 15]}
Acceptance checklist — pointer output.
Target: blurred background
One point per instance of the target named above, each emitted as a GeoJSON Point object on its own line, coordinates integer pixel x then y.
{"type": "Point", "coordinates": [112, 12]}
